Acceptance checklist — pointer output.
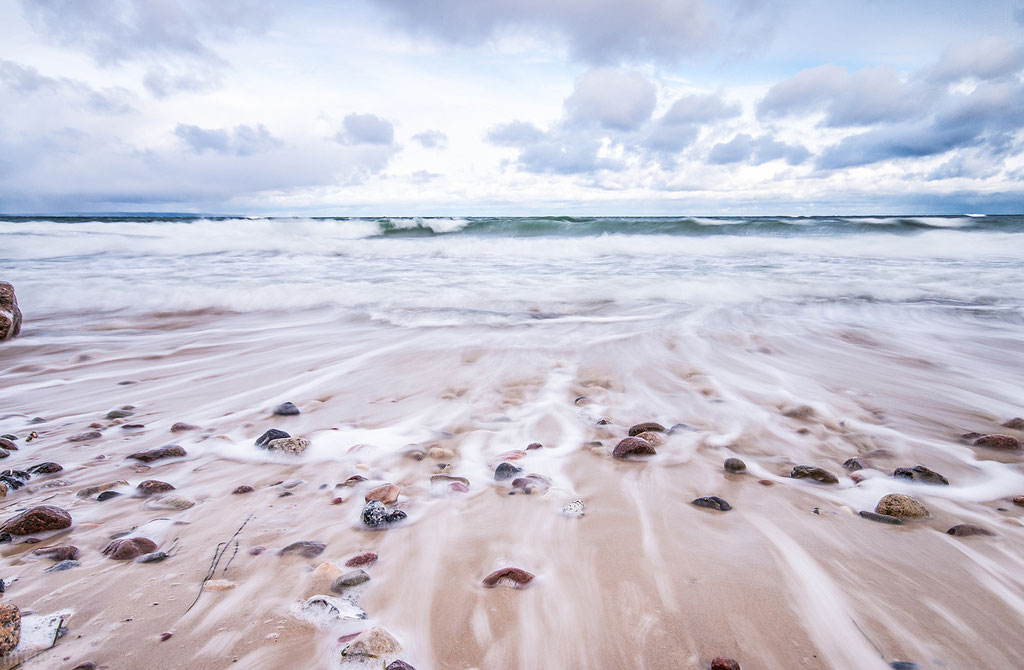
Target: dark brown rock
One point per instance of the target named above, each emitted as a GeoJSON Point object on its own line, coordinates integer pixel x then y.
{"type": "Point", "coordinates": [181, 427]}
{"type": "Point", "coordinates": [83, 437]}
{"type": "Point", "coordinates": [386, 493]}
{"type": "Point", "coordinates": [7, 444]}
{"type": "Point", "coordinates": [448, 479]}
{"type": "Point", "coordinates": [244, 488]}
{"type": "Point", "coordinates": [645, 427]}
{"type": "Point", "coordinates": [46, 468]}
{"type": "Point", "coordinates": [127, 548]}
{"type": "Point", "coordinates": [735, 465]}
{"type": "Point", "coordinates": [1018, 500]}
{"type": "Point", "coordinates": [997, 442]}
{"type": "Point", "coordinates": [304, 548]}
{"type": "Point", "coordinates": [64, 552]}
{"type": "Point", "coordinates": [968, 529]}
{"type": "Point", "coordinates": [10, 314]}
{"type": "Point", "coordinates": [399, 665]}
{"type": "Point", "coordinates": [854, 464]}
{"type": "Point", "coordinates": [10, 628]}
{"type": "Point", "coordinates": [506, 471]}
{"type": "Point", "coordinates": [369, 558]}
{"type": "Point", "coordinates": [1016, 424]}
{"type": "Point", "coordinates": [286, 409]}
{"type": "Point", "coordinates": [722, 663]}
{"type": "Point", "coordinates": [712, 502]}
{"type": "Point", "coordinates": [881, 518]}
{"type": "Point", "coordinates": [919, 473]}
{"type": "Point", "coordinates": [817, 474]}
{"type": "Point", "coordinates": [901, 506]}
{"type": "Point", "coordinates": [633, 448]}
{"type": "Point", "coordinates": [151, 486]}
{"type": "Point", "coordinates": [514, 577]}
{"type": "Point", "coordinates": [169, 451]}
{"type": "Point", "coordinates": [37, 520]}
{"type": "Point", "coordinates": [534, 445]}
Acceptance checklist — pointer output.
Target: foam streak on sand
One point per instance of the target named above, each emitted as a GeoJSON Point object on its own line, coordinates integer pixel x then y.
{"type": "Point", "coordinates": [426, 353]}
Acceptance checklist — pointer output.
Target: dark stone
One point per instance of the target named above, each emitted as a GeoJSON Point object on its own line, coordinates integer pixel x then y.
{"type": "Point", "coordinates": [119, 414]}
{"type": "Point", "coordinates": [645, 427]}
{"type": "Point", "coordinates": [37, 520]}
{"type": "Point", "coordinates": [46, 468]}
{"type": "Point", "coordinates": [1018, 500]}
{"type": "Point", "coordinates": [362, 559]}
{"type": "Point", "coordinates": [181, 427]}
{"type": "Point", "coordinates": [515, 577]}
{"type": "Point", "coordinates": [722, 663]}
{"type": "Point", "coordinates": [88, 665]}
{"type": "Point", "coordinates": [997, 442]}
{"type": "Point", "coordinates": [350, 579]}
{"type": "Point", "coordinates": [169, 451]}
{"type": "Point", "coordinates": [1015, 424]}
{"type": "Point", "coordinates": [128, 548]}
{"type": "Point", "coordinates": [531, 482]}
{"type": "Point", "coordinates": [132, 426]}
{"type": "Point", "coordinates": [244, 488]}
{"type": "Point", "coordinates": [14, 483]}
{"type": "Point", "coordinates": [64, 552]}
{"type": "Point", "coordinates": [854, 464]}
{"type": "Point", "coordinates": [151, 486]}
{"type": "Point", "coordinates": [272, 434]}
{"type": "Point", "coordinates": [10, 314]}
{"type": "Point", "coordinates": [4, 453]}
{"type": "Point", "coordinates": [506, 471]}
{"type": "Point", "coordinates": [735, 465]}
{"type": "Point", "coordinates": [448, 479]}
{"type": "Point", "coordinates": [399, 665]}
{"type": "Point", "coordinates": [712, 502]}
{"type": "Point", "coordinates": [904, 665]}
{"type": "Point", "coordinates": [107, 495]}
{"type": "Point", "coordinates": [919, 473]}
{"type": "Point", "coordinates": [968, 529]}
{"type": "Point", "coordinates": [153, 557]}
{"type": "Point", "coordinates": [632, 448]}
{"type": "Point", "coordinates": [604, 421]}
{"type": "Point", "coordinates": [286, 409]}
{"type": "Point", "coordinates": [534, 445]}
{"type": "Point", "coordinates": [82, 437]}
{"type": "Point", "coordinates": [376, 516]}
{"type": "Point", "coordinates": [62, 566]}
{"type": "Point", "coordinates": [815, 473]}
{"type": "Point", "coordinates": [881, 518]}
{"type": "Point", "coordinates": [304, 548]}
{"type": "Point", "coordinates": [37, 420]}
{"type": "Point", "coordinates": [5, 443]}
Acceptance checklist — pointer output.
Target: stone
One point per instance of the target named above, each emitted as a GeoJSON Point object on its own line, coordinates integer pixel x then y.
{"type": "Point", "coordinates": [46, 468]}
{"type": "Point", "coordinates": [286, 409]}
{"type": "Point", "coordinates": [387, 494]}
{"type": "Point", "coordinates": [168, 451]}
{"type": "Point", "coordinates": [37, 520]}
{"type": "Point", "coordinates": [349, 580]}
{"type": "Point", "coordinates": [901, 506]}
{"type": "Point", "coordinates": [448, 479]}
{"type": "Point", "coordinates": [3, 489]}
{"type": "Point", "coordinates": [304, 548]}
{"type": "Point", "coordinates": [152, 557]}
{"type": "Point", "coordinates": [904, 665]}
{"type": "Point", "coordinates": [513, 455]}
{"type": "Point", "coordinates": [855, 463]}
{"type": "Point", "coordinates": [64, 552]}
{"type": "Point", "coordinates": [83, 437]}
{"type": "Point", "coordinates": [735, 465]}
{"type": "Point", "coordinates": [119, 414]}
{"type": "Point", "coordinates": [815, 473]}
{"type": "Point", "coordinates": [99, 488]}
{"type": "Point", "coordinates": [151, 486]}
{"type": "Point", "coordinates": [62, 566]}
{"type": "Point", "coordinates": [218, 585]}
{"type": "Point", "coordinates": [10, 313]}
{"type": "Point", "coordinates": [534, 445]}
{"type": "Point", "coordinates": [722, 663]}
{"type": "Point", "coordinates": [399, 665]}
{"type": "Point", "coordinates": [369, 558]}
{"type": "Point", "coordinates": [376, 516]}
{"type": "Point", "coordinates": [353, 480]}
{"type": "Point", "coordinates": [440, 453]}
{"type": "Point", "coordinates": [4, 453]}
{"type": "Point", "coordinates": [127, 548]}
{"type": "Point", "coordinates": [506, 471]}
{"type": "Point", "coordinates": [244, 488]}
{"type": "Point", "coordinates": [10, 626]}
{"type": "Point", "coordinates": [654, 438]}
{"type": "Point", "coordinates": [7, 444]}
{"type": "Point", "coordinates": [881, 518]}
{"type": "Point", "coordinates": [322, 577]}
{"type": "Point", "coordinates": [1016, 424]}
{"type": "Point", "coordinates": [1018, 500]}
{"type": "Point", "coordinates": [12, 482]}
{"type": "Point", "coordinates": [712, 502]}
{"type": "Point", "coordinates": [998, 442]}
{"type": "Point", "coordinates": [181, 427]}
{"type": "Point", "coordinates": [531, 483]}
{"type": "Point", "coordinates": [272, 434]}
{"type": "Point", "coordinates": [415, 452]}
{"type": "Point", "coordinates": [514, 577]}
{"type": "Point", "coordinates": [633, 448]}
{"type": "Point", "coordinates": [338, 608]}
{"type": "Point", "coordinates": [919, 473]}
{"type": "Point", "coordinates": [649, 426]}
{"type": "Point", "coordinates": [171, 502]}
{"type": "Point", "coordinates": [291, 445]}
{"type": "Point", "coordinates": [374, 643]}
{"type": "Point", "coordinates": [574, 509]}
{"type": "Point", "coordinates": [968, 529]}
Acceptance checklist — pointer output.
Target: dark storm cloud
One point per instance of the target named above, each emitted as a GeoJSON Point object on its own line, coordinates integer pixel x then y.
{"type": "Point", "coordinates": [366, 129]}
{"type": "Point", "coordinates": [611, 98]}
{"type": "Point", "coordinates": [595, 31]}
{"type": "Point", "coordinates": [26, 81]}
{"type": "Point", "coordinates": [431, 139]}
{"type": "Point", "coordinates": [241, 140]}
{"type": "Point", "coordinates": [746, 149]}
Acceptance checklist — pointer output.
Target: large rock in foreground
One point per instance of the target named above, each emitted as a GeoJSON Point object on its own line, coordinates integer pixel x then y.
{"type": "Point", "coordinates": [901, 506]}
{"type": "Point", "coordinates": [37, 520]}
{"type": "Point", "coordinates": [10, 315]}
{"type": "Point", "coordinates": [10, 628]}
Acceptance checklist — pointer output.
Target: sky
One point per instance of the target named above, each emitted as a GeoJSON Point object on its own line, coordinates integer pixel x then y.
{"type": "Point", "coordinates": [512, 107]}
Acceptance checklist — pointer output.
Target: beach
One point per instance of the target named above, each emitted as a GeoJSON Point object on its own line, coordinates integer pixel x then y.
{"type": "Point", "coordinates": [426, 353]}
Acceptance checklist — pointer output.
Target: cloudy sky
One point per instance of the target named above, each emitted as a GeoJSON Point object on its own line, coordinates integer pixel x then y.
{"type": "Point", "coordinates": [406, 107]}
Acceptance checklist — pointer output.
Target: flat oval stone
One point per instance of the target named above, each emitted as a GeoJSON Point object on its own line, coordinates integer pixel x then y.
{"type": "Point", "coordinates": [349, 580]}
{"type": "Point", "coordinates": [968, 529]}
{"type": "Point", "coordinates": [362, 559]}
{"type": "Point", "coordinates": [64, 552]}
{"type": "Point", "coordinates": [128, 548]}
{"type": "Point", "coordinates": [286, 409]}
{"type": "Point", "coordinates": [387, 494]}
{"type": "Point", "coordinates": [168, 451]}
{"type": "Point", "coordinates": [812, 472]}
{"type": "Point", "coordinates": [632, 448]}
{"type": "Point", "coordinates": [37, 520]}
{"type": "Point", "coordinates": [712, 502]}
{"type": "Point", "coordinates": [151, 486]}
{"type": "Point", "coordinates": [901, 506]}
{"type": "Point", "coordinates": [998, 442]}
{"type": "Point", "coordinates": [919, 473]}
{"type": "Point", "coordinates": [881, 518]}
{"type": "Point", "coordinates": [645, 427]}
{"type": "Point", "coordinates": [291, 445]}
{"type": "Point", "coordinates": [304, 548]}
{"type": "Point", "coordinates": [46, 468]}
{"type": "Point", "coordinates": [514, 577]}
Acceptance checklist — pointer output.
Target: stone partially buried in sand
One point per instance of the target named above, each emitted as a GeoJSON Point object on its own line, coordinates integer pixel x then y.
{"type": "Point", "coordinates": [304, 548]}
{"type": "Point", "coordinates": [1007, 442]}
{"type": "Point", "coordinates": [168, 451]}
{"type": "Point", "coordinates": [633, 448]}
{"type": "Point", "coordinates": [514, 577]}
{"type": "Point", "coordinates": [128, 548]}
{"type": "Point", "coordinates": [10, 627]}
{"type": "Point", "coordinates": [648, 426]}
{"type": "Point", "coordinates": [291, 445]}
{"type": "Point", "coordinates": [10, 314]}
{"type": "Point", "coordinates": [722, 663]}
{"type": "Point", "coordinates": [152, 486]}
{"type": "Point", "coordinates": [374, 643]}
{"type": "Point", "coordinates": [65, 552]}
{"type": "Point", "coordinates": [967, 530]}
{"type": "Point", "coordinates": [901, 506]}
{"type": "Point", "coordinates": [735, 465]}
{"type": "Point", "coordinates": [37, 520]}
{"type": "Point", "coordinates": [817, 474]}
{"type": "Point", "coordinates": [919, 473]}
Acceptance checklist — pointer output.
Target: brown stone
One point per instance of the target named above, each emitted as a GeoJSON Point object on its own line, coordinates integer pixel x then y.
{"type": "Point", "coordinates": [765, 482]}
{"type": "Point", "coordinates": [855, 463]}
{"type": "Point", "coordinates": [387, 494]}
{"type": "Point", "coordinates": [10, 314]}
{"type": "Point", "coordinates": [817, 474]}
{"type": "Point", "coordinates": [632, 448]}
{"type": "Point", "coordinates": [445, 479]}
{"type": "Point", "coordinates": [90, 491]}
{"type": "Point", "coordinates": [1018, 500]}
{"type": "Point", "coordinates": [7, 444]}
{"type": "Point", "coordinates": [997, 442]}
{"type": "Point", "coordinates": [374, 643]}
{"type": "Point", "coordinates": [399, 665]}
{"type": "Point", "coordinates": [722, 663]}
{"type": "Point", "coordinates": [645, 427]}
{"type": "Point", "coordinates": [151, 486]}
{"type": "Point", "coordinates": [654, 438]}
{"type": "Point", "coordinates": [968, 529]}
{"type": "Point", "coordinates": [83, 437]}
{"type": "Point", "coordinates": [534, 445]}
{"type": "Point", "coordinates": [181, 427]}
{"type": "Point", "coordinates": [369, 558]}
{"type": "Point", "coordinates": [735, 465]}
{"type": "Point", "coordinates": [514, 577]}
{"type": "Point", "coordinates": [37, 520]}
{"type": "Point", "coordinates": [169, 451]}
{"type": "Point", "coordinates": [901, 506]}
{"type": "Point", "coordinates": [64, 552]}
{"type": "Point", "coordinates": [127, 548]}
{"type": "Point", "coordinates": [304, 548]}
{"type": "Point", "coordinates": [513, 455]}
{"type": "Point", "coordinates": [244, 488]}
{"type": "Point", "coordinates": [47, 468]}
{"type": "Point", "coordinates": [10, 628]}
{"type": "Point", "coordinates": [1016, 424]}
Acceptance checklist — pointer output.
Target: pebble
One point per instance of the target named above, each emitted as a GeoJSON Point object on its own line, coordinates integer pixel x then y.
{"type": "Point", "coordinates": [376, 516]}
{"type": "Point", "coordinates": [514, 577]}
{"type": "Point", "coordinates": [1018, 500]}
{"type": "Point", "coordinates": [632, 448]}
{"type": "Point", "coordinates": [10, 627]}
{"type": "Point", "coordinates": [415, 452]}
{"type": "Point", "coordinates": [350, 579]}
{"type": "Point", "coordinates": [574, 509]}
{"type": "Point", "coordinates": [649, 426]}
{"type": "Point", "coordinates": [765, 482]}
{"type": "Point", "coordinates": [712, 502]}
{"type": "Point", "coordinates": [292, 445]}
{"type": "Point", "coordinates": [811, 472]}
{"type": "Point", "coordinates": [440, 453]}
{"type": "Point", "coordinates": [5, 443]}
{"type": "Point", "coordinates": [901, 506]}
{"type": "Point", "coordinates": [968, 529]}
{"type": "Point", "coordinates": [531, 483]}
{"type": "Point", "coordinates": [46, 468]}
{"type": "Point", "coordinates": [168, 451]}
{"type": "Point", "coordinates": [244, 488]}
{"type": "Point", "coordinates": [881, 518]}
{"type": "Point", "coordinates": [1015, 424]}
{"type": "Point", "coordinates": [119, 413]}
{"type": "Point", "coordinates": [919, 473]}
{"type": "Point", "coordinates": [64, 552]}
{"type": "Point", "coordinates": [37, 520]}
{"type": "Point", "coordinates": [387, 494]}
{"type": "Point", "coordinates": [152, 557]}
{"type": "Point", "coordinates": [151, 486]}
{"type": "Point", "coordinates": [62, 566]}
{"type": "Point", "coordinates": [4, 453]}
{"type": "Point", "coordinates": [218, 585]}
{"type": "Point", "coordinates": [904, 665]}
{"type": "Point", "coordinates": [722, 663]}
{"type": "Point", "coordinates": [399, 665]}
{"type": "Point", "coordinates": [99, 488]}
{"type": "Point", "coordinates": [735, 465]}
{"type": "Point", "coordinates": [374, 643]}
{"type": "Point", "coordinates": [286, 409]}
{"type": "Point", "coordinates": [272, 434]}
{"type": "Point", "coordinates": [513, 455]}
{"type": "Point", "coordinates": [322, 577]}
{"type": "Point", "coordinates": [854, 464]}
{"type": "Point", "coordinates": [128, 548]}
{"type": "Point", "coordinates": [304, 548]}
{"type": "Point", "coordinates": [181, 427]}
{"type": "Point", "coordinates": [82, 437]}
{"type": "Point", "coordinates": [997, 442]}
{"type": "Point", "coordinates": [534, 445]}
{"type": "Point", "coordinates": [654, 438]}
{"type": "Point", "coordinates": [369, 558]}
{"type": "Point", "coordinates": [171, 502]}
{"type": "Point", "coordinates": [506, 471]}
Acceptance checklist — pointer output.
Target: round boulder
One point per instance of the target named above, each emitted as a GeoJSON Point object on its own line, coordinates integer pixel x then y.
{"type": "Point", "coordinates": [901, 506]}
